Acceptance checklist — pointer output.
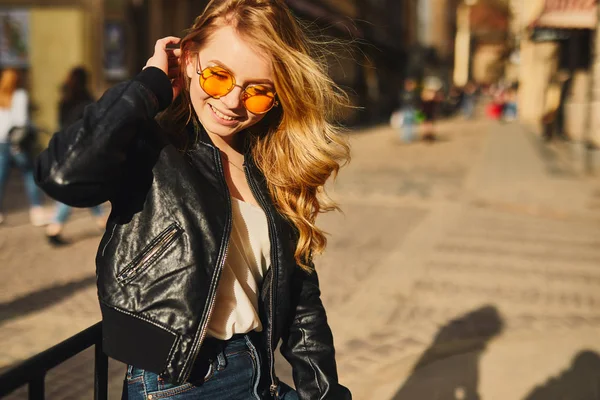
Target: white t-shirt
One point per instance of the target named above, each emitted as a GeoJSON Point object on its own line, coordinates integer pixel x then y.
{"type": "Point", "coordinates": [248, 259]}
{"type": "Point", "coordinates": [16, 115]}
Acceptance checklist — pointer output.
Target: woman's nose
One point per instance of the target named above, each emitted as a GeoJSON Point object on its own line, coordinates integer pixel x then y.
{"type": "Point", "coordinates": [233, 99]}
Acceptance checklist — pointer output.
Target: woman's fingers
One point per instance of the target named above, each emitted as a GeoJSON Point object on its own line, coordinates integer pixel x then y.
{"type": "Point", "coordinates": [161, 44]}
{"type": "Point", "coordinates": [168, 59]}
{"type": "Point", "coordinates": [163, 57]}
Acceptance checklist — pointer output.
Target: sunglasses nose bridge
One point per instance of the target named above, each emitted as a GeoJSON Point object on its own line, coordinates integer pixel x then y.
{"type": "Point", "coordinates": [233, 98]}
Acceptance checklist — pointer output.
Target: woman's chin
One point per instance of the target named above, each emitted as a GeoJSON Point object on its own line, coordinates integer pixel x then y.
{"type": "Point", "coordinates": [223, 132]}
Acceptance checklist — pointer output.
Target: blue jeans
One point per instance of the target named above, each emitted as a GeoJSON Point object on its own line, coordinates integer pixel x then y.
{"type": "Point", "coordinates": [229, 370]}
{"type": "Point", "coordinates": [408, 124]}
{"type": "Point", "coordinates": [23, 162]}
{"type": "Point", "coordinates": [510, 110]}
{"type": "Point", "coordinates": [468, 107]}
{"type": "Point", "coordinates": [63, 212]}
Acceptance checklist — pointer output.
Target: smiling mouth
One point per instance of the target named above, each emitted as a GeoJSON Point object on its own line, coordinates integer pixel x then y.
{"type": "Point", "coordinates": [221, 115]}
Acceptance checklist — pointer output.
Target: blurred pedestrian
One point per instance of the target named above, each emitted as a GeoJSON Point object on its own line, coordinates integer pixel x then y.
{"type": "Point", "coordinates": [207, 262]}
{"type": "Point", "coordinates": [409, 98]}
{"type": "Point", "coordinates": [454, 101]}
{"type": "Point", "coordinates": [554, 102]}
{"type": "Point", "coordinates": [14, 105]}
{"type": "Point", "coordinates": [75, 97]}
{"type": "Point", "coordinates": [495, 108]}
{"type": "Point", "coordinates": [469, 100]}
{"type": "Point", "coordinates": [509, 113]}
{"type": "Point", "coordinates": [565, 80]}
{"type": "Point", "coordinates": [429, 103]}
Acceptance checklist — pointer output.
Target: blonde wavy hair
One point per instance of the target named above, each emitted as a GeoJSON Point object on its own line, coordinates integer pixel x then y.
{"type": "Point", "coordinates": [8, 85]}
{"type": "Point", "coordinates": [297, 146]}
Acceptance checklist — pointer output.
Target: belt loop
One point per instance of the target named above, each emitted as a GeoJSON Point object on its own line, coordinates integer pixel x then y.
{"type": "Point", "coordinates": [150, 381]}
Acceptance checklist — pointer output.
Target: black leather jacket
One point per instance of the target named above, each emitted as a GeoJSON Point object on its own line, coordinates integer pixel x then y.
{"type": "Point", "coordinates": [160, 260]}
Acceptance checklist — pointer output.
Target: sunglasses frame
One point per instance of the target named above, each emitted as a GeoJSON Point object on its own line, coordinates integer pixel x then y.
{"type": "Point", "coordinates": [200, 71]}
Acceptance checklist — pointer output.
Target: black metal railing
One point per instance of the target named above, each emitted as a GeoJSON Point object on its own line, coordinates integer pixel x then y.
{"type": "Point", "coordinates": [33, 371]}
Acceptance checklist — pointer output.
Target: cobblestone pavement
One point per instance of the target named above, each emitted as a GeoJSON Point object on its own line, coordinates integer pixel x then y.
{"type": "Point", "coordinates": [467, 268]}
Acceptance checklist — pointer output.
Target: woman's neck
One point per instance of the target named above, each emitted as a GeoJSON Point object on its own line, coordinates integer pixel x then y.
{"type": "Point", "coordinates": [231, 147]}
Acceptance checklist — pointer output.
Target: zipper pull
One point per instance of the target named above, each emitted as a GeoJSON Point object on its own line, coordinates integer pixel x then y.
{"type": "Point", "coordinates": [273, 389]}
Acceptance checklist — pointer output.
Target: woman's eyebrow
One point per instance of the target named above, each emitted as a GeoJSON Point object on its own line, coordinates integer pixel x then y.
{"type": "Point", "coordinates": [250, 81]}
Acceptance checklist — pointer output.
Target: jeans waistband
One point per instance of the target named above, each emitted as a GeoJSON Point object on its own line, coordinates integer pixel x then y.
{"type": "Point", "coordinates": [235, 343]}
{"type": "Point", "coordinates": [213, 349]}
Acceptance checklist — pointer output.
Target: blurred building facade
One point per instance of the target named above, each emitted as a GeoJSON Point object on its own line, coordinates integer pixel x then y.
{"type": "Point", "coordinates": [481, 45]}
{"type": "Point", "coordinates": [456, 40]}
{"type": "Point", "coordinates": [528, 42]}
{"type": "Point", "coordinates": [428, 36]}
{"type": "Point", "coordinates": [490, 27]}
{"type": "Point", "coordinates": [553, 36]}
{"type": "Point", "coordinates": [58, 35]}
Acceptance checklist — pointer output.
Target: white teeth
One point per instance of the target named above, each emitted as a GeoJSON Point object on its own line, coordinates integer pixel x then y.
{"type": "Point", "coordinates": [221, 115]}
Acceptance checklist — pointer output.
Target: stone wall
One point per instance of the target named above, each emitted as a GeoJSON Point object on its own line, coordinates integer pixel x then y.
{"type": "Point", "coordinates": [53, 52]}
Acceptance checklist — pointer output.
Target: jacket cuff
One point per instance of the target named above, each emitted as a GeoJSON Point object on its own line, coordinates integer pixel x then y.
{"type": "Point", "coordinates": [158, 82]}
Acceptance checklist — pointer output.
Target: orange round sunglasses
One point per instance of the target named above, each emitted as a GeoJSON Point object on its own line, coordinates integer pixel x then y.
{"type": "Point", "coordinates": [218, 81]}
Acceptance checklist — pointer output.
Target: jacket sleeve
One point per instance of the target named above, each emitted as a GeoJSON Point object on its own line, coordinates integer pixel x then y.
{"type": "Point", "coordinates": [308, 345]}
{"type": "Point", "coordinates": [83, 162]}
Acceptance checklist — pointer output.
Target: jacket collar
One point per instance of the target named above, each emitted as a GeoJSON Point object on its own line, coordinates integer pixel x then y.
{"type": "Point", "coordinates": [196, 130]}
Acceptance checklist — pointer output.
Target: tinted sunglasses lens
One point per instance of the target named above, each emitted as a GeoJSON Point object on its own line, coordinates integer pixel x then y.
{"type": "Point", "coordinates": [216, 81]}
{"type": "Point", "coordinates": [258, 99]}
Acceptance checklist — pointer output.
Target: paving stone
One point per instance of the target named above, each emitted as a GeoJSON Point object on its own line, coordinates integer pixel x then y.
{"type": "Point", "coordinates": [467, 268]}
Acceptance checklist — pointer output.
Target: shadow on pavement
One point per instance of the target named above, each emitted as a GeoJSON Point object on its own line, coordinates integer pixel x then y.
{"type": "Point", "coordinates": [555, 156]}
{"type": "Point", "coordinates": [580, 382]}
{"type": "Point", "coordinates": [91, 233]}
{"type": "Point", "coordinates": [41, 299]}
{"type": "Point", "coordinates": [449, 368]}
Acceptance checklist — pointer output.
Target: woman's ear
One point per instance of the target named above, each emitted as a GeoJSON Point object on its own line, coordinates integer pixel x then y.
{"type": "Point", "coordinates": [190, 64]}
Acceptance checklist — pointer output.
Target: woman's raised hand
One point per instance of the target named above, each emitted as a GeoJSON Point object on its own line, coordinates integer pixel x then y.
{"type": "Point", "coordinates": [168, 60]}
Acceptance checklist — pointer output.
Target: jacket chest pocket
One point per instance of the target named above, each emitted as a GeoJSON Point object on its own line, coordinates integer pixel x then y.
{"type": "Point", "coordinates": [150, 254]}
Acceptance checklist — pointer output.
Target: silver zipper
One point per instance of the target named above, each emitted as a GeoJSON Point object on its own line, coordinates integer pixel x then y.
{"type": "Point", "coordinates": [215, 279]}
{"type": "Point", "coordinates": [162, 243]}
{"type": "Point", "coordinates": [273, 386]}
{"type": "Point", "coordinates": [213, 297]}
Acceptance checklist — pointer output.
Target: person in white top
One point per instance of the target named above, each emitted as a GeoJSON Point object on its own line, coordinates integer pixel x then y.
{"type": "Point", "coordinates": [13, 114]}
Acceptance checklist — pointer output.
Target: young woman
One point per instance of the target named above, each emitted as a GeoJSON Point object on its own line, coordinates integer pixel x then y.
{"type": "Point", "coordinates": [206, 264]}
{"type": "Point", "coordinates": [75, 98]}
{"type": "Point", "coordinates": [14, 104]}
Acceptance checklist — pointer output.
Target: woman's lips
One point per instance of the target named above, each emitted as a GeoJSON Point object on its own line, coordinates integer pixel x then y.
{"type": "Point", "coordinates": [222, 118]}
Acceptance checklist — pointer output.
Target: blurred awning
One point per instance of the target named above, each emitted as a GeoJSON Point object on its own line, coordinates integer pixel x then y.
{"type": "Point", "coordinates": [543, 34]}
{"type": "Point", "coordinates": [568, 14]}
